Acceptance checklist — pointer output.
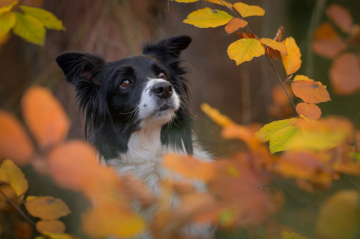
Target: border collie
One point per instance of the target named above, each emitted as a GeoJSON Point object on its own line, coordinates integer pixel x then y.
{"type": "Point", "coordinates": [137, 109]}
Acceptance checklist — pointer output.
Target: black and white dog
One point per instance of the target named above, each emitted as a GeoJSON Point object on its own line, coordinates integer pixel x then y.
{"type": "Point", "coordinates": [137, 109]}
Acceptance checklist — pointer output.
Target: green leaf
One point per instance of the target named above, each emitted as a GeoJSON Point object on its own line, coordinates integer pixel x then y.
{"type": "Point", "coordinates": [280, 133]}
{"type": "Point", "coordinates": [281, 140]}
{"type": "Point", "coordinates": [206, 17]}
{"type": "Point", "coordinates": [7, 22]}
{"type": "Point", "coordinates": [268, 130]}
{"type": "Point", "coordinates": [49, 20]}
{"type": "Point", "coordinates": [30, 29]}
{"type": "Point", "coordinates": [7, 8]}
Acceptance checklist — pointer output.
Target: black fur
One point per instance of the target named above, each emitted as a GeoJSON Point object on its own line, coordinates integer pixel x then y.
{"type": "Point", "coordinates": [109, 111]}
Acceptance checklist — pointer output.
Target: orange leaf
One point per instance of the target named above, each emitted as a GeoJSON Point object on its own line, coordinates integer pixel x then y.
{"type": "Point", "coordinates": [341, 17]}
{"type": "Point", "coordinates": [327, 42]}
{"type": "Point", "coordinates": [53, 226]}
{"type": "Point", "coordinates": [310, 111]}
{"type": "Point", "coordinates": [45, 116]}
{"type": "Point", "coordinates": [279, 96]}
{"type": "Point", "coordinates": [235, 24]}
{"type": "Point", "coordinates": [345, 74]}
{"type": "Point", "coordinates": [14, 142]}
{"type": "Point", "coordinates": [310, 91]}
{"type": "Point", "coordinates": [189, 167]}
{"type": "Point", "coordinates": [216, 116]}
{"type": "Point", "coordinates": [47, 208]}
{"type": "Point", "coordinates": [16, 177]}
{"type": "Point", "coordinates": [279, 34]}
{"type": "Point", "coordinates": [291, 61]}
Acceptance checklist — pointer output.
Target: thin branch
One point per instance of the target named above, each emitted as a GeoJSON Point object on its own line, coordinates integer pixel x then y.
{"type": "Point", "coordinates": [18, 209]}
{"type": "Point", "coordinates": [282, 83]}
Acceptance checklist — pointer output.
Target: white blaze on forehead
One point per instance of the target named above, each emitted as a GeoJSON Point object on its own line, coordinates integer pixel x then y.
{"type": "Point", "coordinates": [149, 103]}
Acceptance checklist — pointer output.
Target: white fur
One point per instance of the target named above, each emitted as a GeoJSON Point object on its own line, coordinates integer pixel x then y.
{"type": "Point", "coordinates": [143, 158]}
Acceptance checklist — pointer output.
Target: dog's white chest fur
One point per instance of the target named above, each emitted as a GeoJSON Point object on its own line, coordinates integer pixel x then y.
{"type": "Point", "coordinates": [144, 160]}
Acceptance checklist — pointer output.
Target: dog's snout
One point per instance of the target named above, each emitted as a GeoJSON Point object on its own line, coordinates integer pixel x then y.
{"type": "Point", "coordinates": [163, 90]}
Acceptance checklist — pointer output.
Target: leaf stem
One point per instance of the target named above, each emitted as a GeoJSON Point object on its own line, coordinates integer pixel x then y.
{"type": "Point", "coordinates": [18, 209]}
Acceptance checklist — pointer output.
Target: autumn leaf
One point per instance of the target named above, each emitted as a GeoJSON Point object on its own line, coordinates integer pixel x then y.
{"type": "Point", "coordinates": [327, 42]}
{"type": "Point", "coordinates": [291, 61]}
{"type": "Point", "coordinates": [47, 208]}
{"type": "Point", "coordinates": [247, 10]}
{"type": "Point", "coordinates": [291, 235]}
{"type": "Point", "coordinates": [110, 220]}
{"type": "Point", "coordinates": [339, 216]}
{"type": "Point", "coordinates": [17, 178]}
{"type": "Point", "coordinates": [310, 91]}
{"type": "Point", "coordinates": [7, 22]}
{"type": "Point", "coordinates": [341, 17]}
{"type": "Point", "coordinates": [345, 74]}
{"type": "Point", "coordinates": [49, 235]}
{"type": "Point", "coordinates": [220, 2]}
{"type": "Point", "coordinates": [4, 178]}
{"type": "Point", "coordinates": [206, 17]}
{"type": "Point", "coordinates": [49, 20]}
{"type": "Point", "coordinates": [186, 1]}
{"type": "Point", "coordinates": [44, 116]}
{"type": "Point", "coordinates": [235, 24]}
{"type": "Point", "coordinates": [14, 142]}
{"type": "Point", "coordinates": [242, 35]}
{"type": "Point", "coordinates": [245, 50]}
{"type": "Point", "coordinates": [274, 45]}
{"type": "Point", "coordinates": [53, 226]}
{"type": "Point", "coordinates": [310, 111]}
{"type": "Point", "coordinates": [279, 133]}
{"type": "Point", "coordinates": [7, 8]}
{"type": "Point", "coordinates": [325, 133]}
{"type": "Point", "coordinates": [215, 115]}
{"type": "Point", "coordinates": [189, 167]}
{"type": "Point", "coordinates": [30, 29]}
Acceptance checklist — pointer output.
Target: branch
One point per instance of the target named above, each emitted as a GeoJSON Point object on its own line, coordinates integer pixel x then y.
{"type": "Point", "coordinates": [18, 209]}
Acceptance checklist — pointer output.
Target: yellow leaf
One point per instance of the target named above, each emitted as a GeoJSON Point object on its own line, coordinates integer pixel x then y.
{"type": "Point", "coordinates": [30, 29]}
{"type": "Point", "coordinates": [220, 2]}
{"type": "Point", "coordinates": [111, 220]}
{"type": "Point", "coordinates": [49, 20]}
{"type": "Point", "coordinates": [17, 178]}
{"type": "Point", "coordinates": [291, 61]}
{"type": "Point", "coordinates": [291, 235]}
{"type": "Point", "coordinates": [302, 77]}
{"type": "Point", "coordinates": [50, 235]}
{"type": "Point", "coordinates": [206, 17]}
{"type": "Point", "coordinates": [245, 50]}
{"type": "Point", "coordinates": [275, 45]}
{"type": "Point", "coordinates": [247, 10]}
{"type": "Point", "coordinates": [7, 8]}
{"type": "Point", "coordinates": [268, 130]}
{"type": "Point", "coordinates": [216, 116]}
{"type": "Point", "coordinates": [4, 178]}
{"type": "Point", "coordinates": [280, 133]}
{"type": "Point", "coordinates": [52, 226]}
{"type": "Point", "coordinates": [47, 208]}
{"type": "Point", "coordinates": [186, 1]}
{"type": "Point", "coordinates": [339, 216]}
{"type": "Point", "coordinates": [7, 22]}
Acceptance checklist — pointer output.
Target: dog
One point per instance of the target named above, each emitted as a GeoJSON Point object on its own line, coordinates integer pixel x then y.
{"type": "Point", "coordinates": [137, 109]}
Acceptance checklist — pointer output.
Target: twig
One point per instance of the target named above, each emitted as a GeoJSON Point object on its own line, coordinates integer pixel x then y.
{"type": "Point", "coordinates": [18, 209]}
{"type": "Point", "coordinates": [281, 81]}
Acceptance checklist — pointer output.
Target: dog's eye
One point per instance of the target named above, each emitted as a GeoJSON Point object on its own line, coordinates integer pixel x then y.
{"type": "Point", "coordinates": [125, 84]}
{"type": "Point", "coordinates": [162, 75]}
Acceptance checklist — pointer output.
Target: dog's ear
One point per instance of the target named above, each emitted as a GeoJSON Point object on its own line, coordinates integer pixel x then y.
{"type": "Point", "coordinates": [167, 48]}
{"type": "Point", "coordinates": [80, 66]}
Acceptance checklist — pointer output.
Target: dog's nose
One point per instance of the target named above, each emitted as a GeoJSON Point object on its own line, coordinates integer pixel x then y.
{"type": "Point", "coordinates": [163, 90]}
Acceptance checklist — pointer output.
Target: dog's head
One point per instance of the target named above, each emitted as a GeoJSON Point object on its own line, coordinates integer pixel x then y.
{"type": "Point", "coordinates": [121, 97]}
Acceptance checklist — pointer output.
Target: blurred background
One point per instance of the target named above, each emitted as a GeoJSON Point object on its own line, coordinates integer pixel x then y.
{"type": "Point", "coordinates": [118, 28]}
